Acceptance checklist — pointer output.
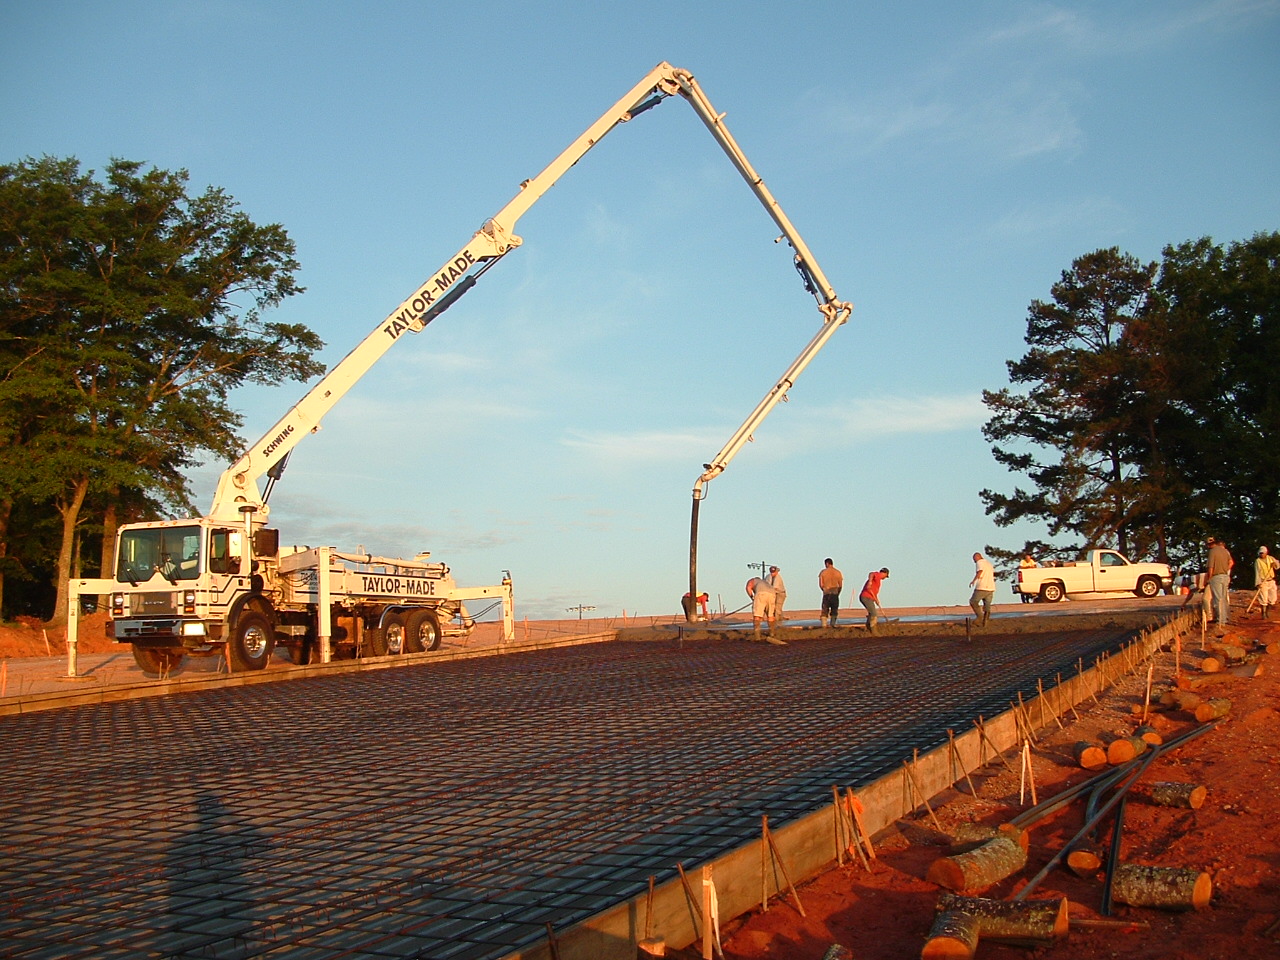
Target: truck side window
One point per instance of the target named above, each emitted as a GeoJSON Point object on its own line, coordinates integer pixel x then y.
{"type": "Point", "coordinates": [224, 551]}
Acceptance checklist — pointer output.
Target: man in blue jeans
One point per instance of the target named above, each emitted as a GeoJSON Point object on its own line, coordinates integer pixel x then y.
{"type": "Point", "coordinates": [1220, 564]}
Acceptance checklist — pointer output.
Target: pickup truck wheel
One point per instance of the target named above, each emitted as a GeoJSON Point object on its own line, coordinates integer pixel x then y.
{"type": "Point", "coordinates": [421, 632]}
{"type": "Point", "coordinates": [1051, 592]}
{"type": "Point", "coordinates": [1148, 587]}
{"type": "Point", "coordinates": [251, 641]}
{"type": "Point", "coordinates": [158, 661]}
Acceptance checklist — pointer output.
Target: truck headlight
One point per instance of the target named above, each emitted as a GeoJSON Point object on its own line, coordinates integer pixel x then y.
{"type": "Point", "coordinates": [117, 604]}
{"type": "Point", "coordinates": [189, 601]}
{"type": "Point", "coordinates": [193, 629]}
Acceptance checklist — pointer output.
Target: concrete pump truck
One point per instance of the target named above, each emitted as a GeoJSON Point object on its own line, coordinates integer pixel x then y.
{"type": "Point", "coordinates": [224, 585]}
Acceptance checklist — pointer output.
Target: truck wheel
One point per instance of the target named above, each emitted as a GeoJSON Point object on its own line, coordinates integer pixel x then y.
{"type": "Point", "coordinates": [1148, 587]}
{"type": "Point", "coordinates": [251, 641]}
{"type": "Point", "coordinates": [421, 632]}
{"type": "Point", "coordinates": [1051, 592]}
{"type": "Point", "coordinates": [158, 661]}
{"type": "Point", "coordinates": [387, 639]}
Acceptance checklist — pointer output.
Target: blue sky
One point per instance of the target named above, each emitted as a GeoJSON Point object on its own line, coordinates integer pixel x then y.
{"type": "Point", "coordinates": [944, 162]}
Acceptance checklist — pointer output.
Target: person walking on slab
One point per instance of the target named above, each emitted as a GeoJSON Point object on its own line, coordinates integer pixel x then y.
{"type": "Point", "coordinates": [870, 596]}
{"type": "Point", "coordinates": [831, 582]}
{"type": "Point", "coordinates": [984, 588]}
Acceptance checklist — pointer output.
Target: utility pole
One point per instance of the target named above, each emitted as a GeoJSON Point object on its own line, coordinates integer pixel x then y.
{"type": "Point", "coordinates": [580, 607]}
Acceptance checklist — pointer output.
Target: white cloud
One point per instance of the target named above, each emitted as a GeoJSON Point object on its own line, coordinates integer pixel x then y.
{"type": "Point", "coordinates": [808, 430]}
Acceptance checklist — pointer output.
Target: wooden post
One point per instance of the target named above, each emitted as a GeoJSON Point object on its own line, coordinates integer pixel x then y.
{"type": "Point", "coordinates": [708, 892]}
{"type": "Point", "coordinates": [855, 807]}
{"type": "Point", "coordinates": [782, 865]}
{"type": "Point", "coordinates": [955, 758]}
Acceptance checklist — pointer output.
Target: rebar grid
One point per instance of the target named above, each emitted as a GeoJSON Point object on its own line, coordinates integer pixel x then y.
{"type": "Point", "coordinates": [453, 810]}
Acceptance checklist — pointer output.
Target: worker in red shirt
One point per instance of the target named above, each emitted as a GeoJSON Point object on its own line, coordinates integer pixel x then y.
{"type": "Point", "coordinates": [870, 596]}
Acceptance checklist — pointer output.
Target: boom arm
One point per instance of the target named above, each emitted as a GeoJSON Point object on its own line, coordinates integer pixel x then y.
{"type": "Point", "coordinates": [238, 491]}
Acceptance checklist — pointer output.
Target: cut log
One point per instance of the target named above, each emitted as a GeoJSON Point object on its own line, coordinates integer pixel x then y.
{"type": "Point", "coordinates": [953, 936]}
{"type": "Point", "coordinates": [1210, 665]}
{"type": "Point", "coordinates": [1166, 888]}
{"type": "Point", "coordinates": [1150, 735]}
{"type": "Point", "coordinates": [1165, 793]}
{"type": "Point", "coordinates": [978, 868]}
{"type": "Point", "coordinates": [1213, 709]}
{"type": "Point", "coordinates": [1183, 700]}
{"type": "Point", "coordinates": [1230, 652]}
{"type": "Point", "coordinates": [1024, 922]}
{"type": "Point", "coordinates": [969, 836]}
{"type": "Point", "coordinates": [1273, 647]}
{"type": "Point", "coordinates": [1123, 749]}
{"type": "Point", "coordinates": [1085, 861]}
{"type": "Point", "coordinates": [1089, 756]}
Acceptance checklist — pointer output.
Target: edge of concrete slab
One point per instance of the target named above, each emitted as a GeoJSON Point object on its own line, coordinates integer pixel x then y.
{"type": "Point", "coordinates": [809, 846]}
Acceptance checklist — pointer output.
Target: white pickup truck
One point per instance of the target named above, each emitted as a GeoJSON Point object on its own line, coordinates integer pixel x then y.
{"type": "Point", "coordinates": [1100, 571]}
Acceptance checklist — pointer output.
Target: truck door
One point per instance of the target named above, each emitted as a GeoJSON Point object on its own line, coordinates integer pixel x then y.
{"type": "Point", "coordinates": [1105, 575]}
{"type": "Point", "coordinates": [226, 552]}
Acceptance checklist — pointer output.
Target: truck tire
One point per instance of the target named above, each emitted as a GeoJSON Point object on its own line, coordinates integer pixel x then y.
{"type": "Point", "coordinates": [1051, 592]}
{"type": "Point", "coordinates": [158, 661]}
{"type": "Point", "coordinates": [1148, 587]}
{"type": "Point", "coordinates": [386, 640]}
{"type": "Point", "coordinates": [421, 632]}
{"type": "Point", "coordinates": [251, 641]}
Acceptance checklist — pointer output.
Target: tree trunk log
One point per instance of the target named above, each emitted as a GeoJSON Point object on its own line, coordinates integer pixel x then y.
{"type": "Point", "coordinates": [1150, 735]}
{"type": "Point", "coordinates": [1022, 922]}
{"type": "Point", "coordinates": [1084, 861]}
{"type": "Point", "coordinates": [1210, 665]}
{"type": "Point", "coordinates": [1213, 709]}
{"type": "Point", "coordinates": [1123, 749]}
{"type": "Point", "coordinates": [1229, 652]}
{"type": "Point", "coordinates": [980, 867]}
{"type": "Point", "coordinates": [1165, 793]}
{"type": "Point", "coordinates": [1167, 888]}
{"type": "Point", "coordinates": [970, 836]}
{"type": "Point", "coordinates": [1183, 700]}
{"type": "Point", "coordinates": [953, 936]}
{"type": "Point", "coordinates": [1089, 756]}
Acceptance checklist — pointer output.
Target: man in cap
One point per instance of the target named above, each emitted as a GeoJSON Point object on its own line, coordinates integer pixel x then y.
{"type": "Point", "coordinates": [762, 600]}
{"type": "Point", "coordinates": [1264, 578]}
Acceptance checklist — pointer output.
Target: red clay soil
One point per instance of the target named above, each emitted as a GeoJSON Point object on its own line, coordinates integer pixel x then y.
{"type": "Point", "coordinates": [30, 637]}
{"type": "Point", "coordinates": [885, 914]}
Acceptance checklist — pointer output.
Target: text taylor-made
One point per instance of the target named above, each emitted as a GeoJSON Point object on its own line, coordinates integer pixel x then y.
{"type": "Point", "coordinates": [398, 586]}
{"type": "Point", "coordinates": [414, 309]}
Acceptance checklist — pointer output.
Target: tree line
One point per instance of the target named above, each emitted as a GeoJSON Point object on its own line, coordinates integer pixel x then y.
{"type": "Point", "coordinates": [1144, 415]}
{"type": "Point", "coordinates": [129, 309]}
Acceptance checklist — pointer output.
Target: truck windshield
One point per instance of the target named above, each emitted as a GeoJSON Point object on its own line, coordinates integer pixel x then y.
{"type": "Point", "coordinates": [173, 551]}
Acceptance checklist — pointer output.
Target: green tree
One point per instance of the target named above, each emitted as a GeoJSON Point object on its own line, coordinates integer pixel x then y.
{"type": "Point", "coordinates": [1146, 409]}
{"type": "Point", "coordinates": [1076, 423]}
{"type": "Point", "coordinates": [129, 309]}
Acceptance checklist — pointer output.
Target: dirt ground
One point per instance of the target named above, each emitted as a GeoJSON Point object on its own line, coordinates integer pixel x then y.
{"type": "Point", "coordinates": [886, 913]}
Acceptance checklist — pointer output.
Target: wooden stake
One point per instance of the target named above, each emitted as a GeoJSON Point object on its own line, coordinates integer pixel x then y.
{"type": "Point", "coordinates": [782, 864]}
{"type": "Point", "coordinates": [1146, 697]}
{"type": "Point", "coordinates": [551, 942]}
{"type": "Point", "coordinates": [955, 757]}
{"type": "Point", "coordinates": [855, 807]}
{"type": "Point", "coordinates": [1031, 774]}
{"type": "Point", "coordinates": [648, 911]}
{"type": "Point", "coordinates": [982, 736]}
{"type": "Point", "coordinates": [917, 792]}
{"type": "Point", "coordinates": [692, 900]}
{"type": "Point", "coordinates": [708, 893]}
